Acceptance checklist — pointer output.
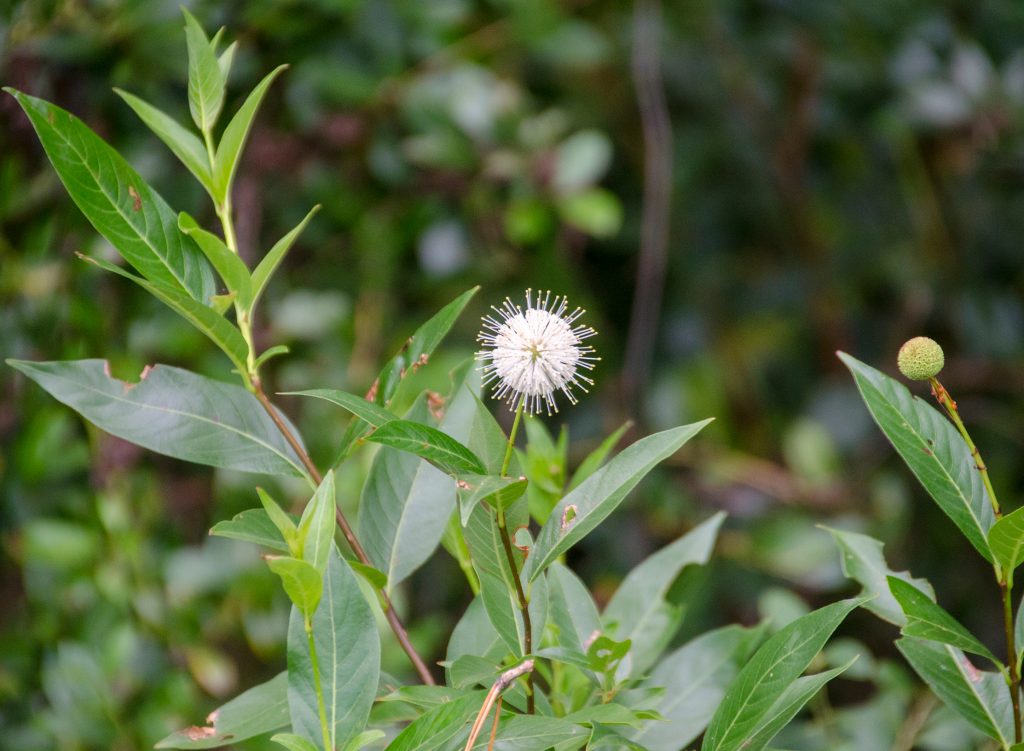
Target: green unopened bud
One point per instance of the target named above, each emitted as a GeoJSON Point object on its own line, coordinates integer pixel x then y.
{"type": "Point", "coordinates": [920, 358]}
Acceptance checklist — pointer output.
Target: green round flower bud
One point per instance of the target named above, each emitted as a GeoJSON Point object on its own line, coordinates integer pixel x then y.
{"type": "Point", "coordinates": [920, 358]}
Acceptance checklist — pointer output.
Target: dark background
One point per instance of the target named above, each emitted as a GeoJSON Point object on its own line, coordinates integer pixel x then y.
{"type": "Point", "coordinates": [819, 176]}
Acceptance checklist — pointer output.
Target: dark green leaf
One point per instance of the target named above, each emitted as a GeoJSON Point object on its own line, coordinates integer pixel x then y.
{"type": "Point", "coordinates": [438, 726]}
{"type": "Point", "coordinates": [979, 697]}
{"type": "Point", "coordinates": [933, 450]}
{"type": "Point", "coordinates": [348, 652]}
{"type": "Point", "coordinates": [261, 709]}
{"type": "Point", "coordinates": [230, 267]}
{"type": "Point", "coordinates": [438, 448]}
{"type": "Point", "coordinates": [775, 666]}
{"type": "Point", "coordinates": [638, 608]}
{"type": "Point", "coordinates": [233, 139]}
{"type": "Point", "coordinates": [600, 494]}
{"type": "Point", "coordinates": [928, 620]}
{"type": "Point", "coordinates": [862, 561]}
{"type": "Point", "coordinates": [357, 405]}
{"type": "Point", "coordinates": [184, 144]}
{"type": "Point", "coordinates": [118, 202]}
{"type": "Point", "coordinates": [173, 412]}
{"type": "Point", "coordinates": [252, 525]}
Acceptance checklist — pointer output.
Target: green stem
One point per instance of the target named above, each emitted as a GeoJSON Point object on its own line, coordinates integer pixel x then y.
{"type": "Point", "coordinates": [324, 727]}
{"type": "Point", "coordinates": [1011, 648]}
{"type": "Point", "coordinates": [512, 436]}
{"type": "Point", "coordinates": [943, 398]}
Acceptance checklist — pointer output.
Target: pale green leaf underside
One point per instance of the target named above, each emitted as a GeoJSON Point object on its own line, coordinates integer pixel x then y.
{"type": "Point", "coordinates": [1006, 538]}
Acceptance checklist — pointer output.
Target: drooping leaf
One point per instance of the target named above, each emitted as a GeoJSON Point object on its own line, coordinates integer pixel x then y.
{"type": "Point", "coordinates": [981, 698]}
{"type": "Point", "coordinates": [598, 496]}
{"type": "Point", "coordinates": [316, 527]}
{"type": "Point", "coordinates": [348, 652]}
{"type": "Point", "coordinates": [933, 450]}
{"type": "Point", "coordinates": [496, 491]}
{"type": "Point", "coordinates": [183, 143]}
{"type": "Point", "coordinates": [206, 319]}
{"type": "Point", "coordinates": [261, 709]}
{"type": "Point", "coordinates": [251, 525]}
{"type": "Point", "coordinates": [118, 202]}
{"type": "Point", "coordinates": [229, 150]}
{"type": "Point", "coordinates": [266, 267]}
{"type": "Point", "coordinates": [771, 671]}
{"type": "Point", "coordinates": [694, 678]}
{"type": "Point", "coordinates": [374, 415]}
{"type": "Point", "coordinates": [173, 412]}
{"type": "Point", "coordinates": [230, 267]}
{"type": "Point", "coordinates": [205, 78]}
{"type": "Point", "coordinates": [1006, 539]}
{"type": "Point", "coordinates": [862, 560]}
{"type": "Point", "coordinates": [438, 448]}
{"type": "Point", "coordinates": [302, 582]}
{"type": "Point", "coordinates": [638, 608]}
{"type": "Point", "coordinates": [928, 620]}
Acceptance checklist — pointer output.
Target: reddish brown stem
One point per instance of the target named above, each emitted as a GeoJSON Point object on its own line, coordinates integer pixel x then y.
{"type": "Point", "coordinates": [346, 529]}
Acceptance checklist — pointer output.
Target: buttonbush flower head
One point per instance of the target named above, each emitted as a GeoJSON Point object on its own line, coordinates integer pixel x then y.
{"type": "Point", "coordinates": [920, 358]}
{"type": "Point", "coordinates": [531, 353]}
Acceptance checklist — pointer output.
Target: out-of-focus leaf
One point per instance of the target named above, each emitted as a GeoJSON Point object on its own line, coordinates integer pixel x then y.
{"type": "Point", "coordinates": [928, 620]}
{"type": "Point", "coordinates": [594, 499]}
{"type": "Point", "coordinates": [933, 450]}
{"type": "Point", "coordinates": [348, 652]}
{"type": "Point", "coordinates": [768, 675]}
{"type": "Point", "coordinates": [638, 608]}
{"type": "Point", "coordinates": [173, 412]}
{"type": "Point", "coordinates": [862, 561]}
{"type": "Point", "coordinates": [981, 698]}
{"type": "Point", "coordinates": [595, 458]}
{"type": "Point", "coordinates": [261, 709]}
{"type": "Point", "coordinates": [118, 202]}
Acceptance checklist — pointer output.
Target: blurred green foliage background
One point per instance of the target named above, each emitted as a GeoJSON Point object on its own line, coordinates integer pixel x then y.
{"type": "Point", "coordinates": [839, 176]}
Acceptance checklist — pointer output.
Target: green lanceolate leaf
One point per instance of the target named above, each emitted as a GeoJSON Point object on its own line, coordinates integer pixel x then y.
{"type": "Point", "coordinates": [438, 448]}
{"type": "Point", "coordinates": [173, 412]}
{"type": "Point", "coordinates": [316, 527]}
{"type": "Point", "coordinates": [534, 733]}
{"type": "Point", "coordinates": [253, 525]}
{"type": "Point", "coordinates": [348, 652]}
{"type": "Point", "coordinates": [981, 698]}
{"type": "Point", "coordinates": [404, 507]}
{"type": "Point", "coordinates": [294, 742]}
{"type": "Point", "coordinates": [231, 268]}
{"type": "Point", "coordinates": [261, 709]}
{"type": "Point", "coordinates": [205, 319]}
{"type": "Point", "coordinates": [302, 582]}
{"type": "Point", "coordinates": [775, 666]}
{"type": "Point", "coordinates": [572, 608]}
{"type": "Point", "coordinates": [283, 521]}
{"type": "Point", "coordinates": [638, 609]}
{"type": "Point", "coordinates": [374, 415]}
{"type": "Point", "coordinates": [694, 678]}
{"type": "Point", "coordinates": [862, 560]}
{"type": "Point", "coordinates": [933, 450]}
{"type": "Point", "coordinates": [439, 725]}
{"type": "Point", "coordinates": [229, 150]}
{"type": "Point", "coordinates": [226, 58]}
{"type": "Point", "coordinates": [474, 635]}
{"type": "Point", "coordinates": [502, 605]}
{"type": "Point", "coordinates": [1006, 539]}
{"type": "Point", "coordinates": [183, 143]}
{"type": "Point", "coordinates": [265, 268]}
{"type": "Point", "coordinates": [792, 700]}
{"type": "Point", "coordinates": [205, 79]}
{"type": "Point", "coordinates": [414, 354]}
{"type": "Point", "coordinates": [494, 490]}
{"type": "Point", "coordinates": [595, 498]}
{"type": "Point", "coordinates": [928, 620]}
{"type": "Point", "coordinates": [118, 202]}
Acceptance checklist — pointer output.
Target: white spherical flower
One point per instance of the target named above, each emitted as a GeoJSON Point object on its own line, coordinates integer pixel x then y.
{"type": "Point", "coordinates": [534, 352]}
